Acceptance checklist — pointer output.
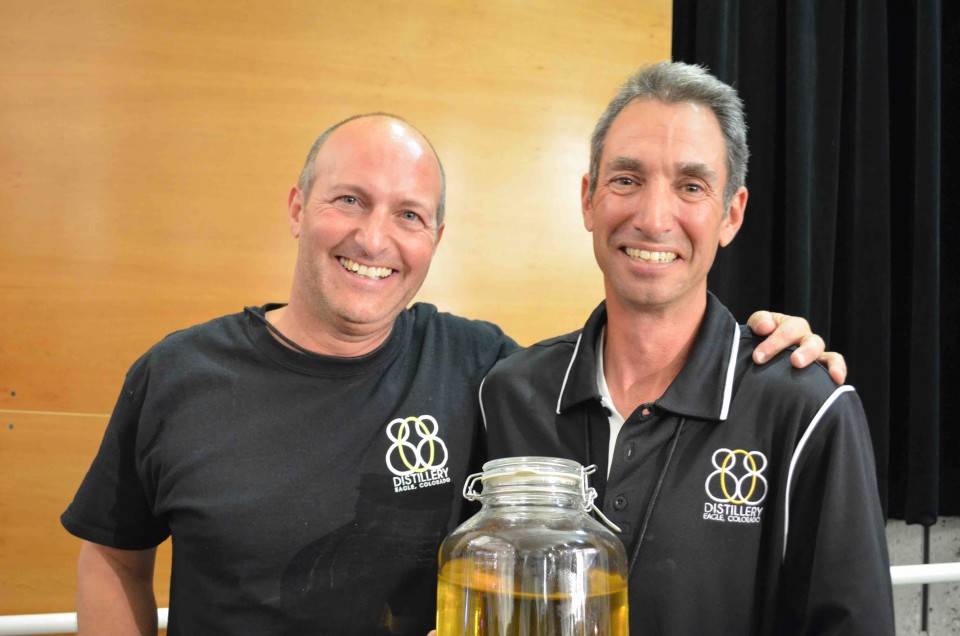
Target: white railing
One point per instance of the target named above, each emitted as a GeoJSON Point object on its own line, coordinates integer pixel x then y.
{"type": "Point", "coordinates": [66, 623]}
{"type": "Point", "coordinates": [920, 574]}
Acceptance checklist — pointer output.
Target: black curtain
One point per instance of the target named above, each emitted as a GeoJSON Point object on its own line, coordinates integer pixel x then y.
{"type": "Point", "coordinates": [843, 223]}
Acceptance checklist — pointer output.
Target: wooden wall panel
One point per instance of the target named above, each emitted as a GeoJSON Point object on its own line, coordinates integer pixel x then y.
{"type": "Point", "coordinates": [43, 457]}
{"type": "Point", "coordinates": [146, 151]}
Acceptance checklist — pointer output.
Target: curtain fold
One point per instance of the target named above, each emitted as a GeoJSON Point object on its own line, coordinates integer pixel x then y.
{"type": "Point", "coordinates": [843, 221]}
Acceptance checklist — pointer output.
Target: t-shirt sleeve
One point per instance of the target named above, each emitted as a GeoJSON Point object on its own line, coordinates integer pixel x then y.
{"type": "Point", "coordinates": [483, 344]}
{"type": "Point", "coordinates": [507, 346]}
{"type": "Point", "coordinates": [112, 507]}
{"type": "Point", "coordinates": [836, 567]}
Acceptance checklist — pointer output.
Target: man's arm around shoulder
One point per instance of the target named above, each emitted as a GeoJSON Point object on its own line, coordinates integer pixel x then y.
{"type": "Point", "coordinates": [115, 591]}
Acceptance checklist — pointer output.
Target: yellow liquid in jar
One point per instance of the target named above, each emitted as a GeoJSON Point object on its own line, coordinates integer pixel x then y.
{"type": "Point", "coordinates": [471, 602]}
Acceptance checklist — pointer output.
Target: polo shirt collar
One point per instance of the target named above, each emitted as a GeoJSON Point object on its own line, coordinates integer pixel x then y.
{"type": "Point", "coordinates": [580, 381]}
{"type": "Point", "coordinates": [703, 388]}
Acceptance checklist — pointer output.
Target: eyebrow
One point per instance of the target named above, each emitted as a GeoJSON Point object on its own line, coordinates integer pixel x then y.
{"type": "Point", "coordinates": [366, 194]}
{"type": "Point", "coordinates": [698, 170]}
{"type": "Point", "coordinates": [350, 187]}
{"type": "Point", "coordinates": [625, 163]}
{"type": "Point", "coordinates": [692, 169]}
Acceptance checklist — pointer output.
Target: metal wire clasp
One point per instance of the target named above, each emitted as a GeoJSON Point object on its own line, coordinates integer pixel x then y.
{"type": "Point", "coordinates": [590, 495]}
{"type": "Point", "coordinates": [468, 492]}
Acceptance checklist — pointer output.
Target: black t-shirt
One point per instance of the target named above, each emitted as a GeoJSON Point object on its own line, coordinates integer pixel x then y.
{"type": "Point", "coordinates": [305, 494]}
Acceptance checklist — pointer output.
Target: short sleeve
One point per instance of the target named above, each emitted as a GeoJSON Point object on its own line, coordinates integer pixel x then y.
{"type": "Point", "coordinates": [112, 507]}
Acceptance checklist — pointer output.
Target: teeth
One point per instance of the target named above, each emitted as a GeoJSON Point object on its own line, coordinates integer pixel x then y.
{"type": "Point", "coordinates": [650, 257]}
{"type": "Point", "coordinates": [364, 270]}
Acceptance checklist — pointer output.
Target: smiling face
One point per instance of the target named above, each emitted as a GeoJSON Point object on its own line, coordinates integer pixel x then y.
{"type": "Point", "coordinates": [368, 229]}
{"type": "Point", "coordinates": [657, 214]}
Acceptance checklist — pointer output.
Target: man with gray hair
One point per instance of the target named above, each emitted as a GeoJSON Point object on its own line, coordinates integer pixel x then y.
{"type": "Point", "coordinates": [746, 495]}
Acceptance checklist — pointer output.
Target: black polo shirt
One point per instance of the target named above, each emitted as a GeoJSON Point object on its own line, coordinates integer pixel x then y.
{"type": "Point", "coordinates": [746, 494]}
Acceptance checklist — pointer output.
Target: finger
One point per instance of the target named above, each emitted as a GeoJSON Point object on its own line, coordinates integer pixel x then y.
{"type": "Point", "coordinates": [836, 365]}
{"type": "Point", "coordinates": [809, 349]}
{"type": "Point", "coordinates": [791, 330]}
{"type": "Point", "coordinates": [763, 322]}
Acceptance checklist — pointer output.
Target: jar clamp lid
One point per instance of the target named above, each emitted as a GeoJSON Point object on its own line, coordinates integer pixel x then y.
{"type": "Point", "coordinates": [543, 475]}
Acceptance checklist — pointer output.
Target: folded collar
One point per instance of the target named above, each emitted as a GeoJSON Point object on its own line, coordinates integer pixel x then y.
{"type": "Point", "coordinates": [702, 390]}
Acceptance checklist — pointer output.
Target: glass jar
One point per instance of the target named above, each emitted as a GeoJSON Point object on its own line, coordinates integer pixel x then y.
{"type": "Point", "coordinates": [532, 561]}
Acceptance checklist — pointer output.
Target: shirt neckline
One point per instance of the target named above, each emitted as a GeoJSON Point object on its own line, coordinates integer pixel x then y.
{"type": "Point", "coordinates": [701, 390]}
{"type": "Point", "coordinates": [314, 363]}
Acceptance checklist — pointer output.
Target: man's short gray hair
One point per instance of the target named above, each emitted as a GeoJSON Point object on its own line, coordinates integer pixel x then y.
{"type": "Point", "coordinates": [674, 83]}
{"type": "Point", "coordinates": [309, 172]}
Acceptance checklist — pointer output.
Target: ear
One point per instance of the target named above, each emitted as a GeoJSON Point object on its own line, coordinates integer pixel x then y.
{"type": "Point", "coordinates": [295, 205]}
{"type": "Point", "coordinates": [436, 241]}
{"type": "Point", "coordinates": [734, 218]}
{"type": "Point", "coordinates": [586, 205]}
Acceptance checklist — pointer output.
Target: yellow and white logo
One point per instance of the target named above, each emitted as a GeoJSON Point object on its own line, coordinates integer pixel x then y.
{"type": "Point", "coordinates": [737, 487]}
{"type": "Point", "coordinates": [417, 455]}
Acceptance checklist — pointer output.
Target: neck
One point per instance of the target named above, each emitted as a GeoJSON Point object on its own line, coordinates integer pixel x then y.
{"type": "Point", "coordinates": [644, 351]}
{"type": "Point", "coordinates": [324, 337]}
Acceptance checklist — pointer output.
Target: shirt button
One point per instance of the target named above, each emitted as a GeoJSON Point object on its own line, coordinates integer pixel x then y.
{"type": "Point", "coordinates": [619, 502]}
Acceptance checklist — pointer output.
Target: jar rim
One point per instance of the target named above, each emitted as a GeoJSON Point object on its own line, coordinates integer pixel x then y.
{"type": "Point", "coordinates": [529, 475]}
{"type": "Point", "coordinates": [532, 461]}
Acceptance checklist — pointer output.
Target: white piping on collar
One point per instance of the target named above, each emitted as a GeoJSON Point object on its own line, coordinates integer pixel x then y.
{"type": "Point", "coordinates": [614, 418]}
{"type": "Point", "coordinates": [567, 374]}
{"type": "Point", "coordinates": [796, 455]}
{"type": "Point", "coordinates": [731, 367]}
{"type": "Point", "coordinates": [483, 413]}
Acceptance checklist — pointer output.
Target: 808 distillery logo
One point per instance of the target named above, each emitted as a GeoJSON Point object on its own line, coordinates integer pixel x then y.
{"type": "Point", "coordinates": [417, 456]}
{"type": "Point", "coordinates": [737, 487]}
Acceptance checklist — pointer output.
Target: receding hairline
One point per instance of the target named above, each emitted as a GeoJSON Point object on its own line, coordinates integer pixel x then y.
{"type": "Point", "coordinates": [386, 117]}
{"type": "Point", "coordinates": [694, 168]}
{"type": "Point", "coordinates": [309, 171]}
{"type": "Point", "coordinates": [677, 82]}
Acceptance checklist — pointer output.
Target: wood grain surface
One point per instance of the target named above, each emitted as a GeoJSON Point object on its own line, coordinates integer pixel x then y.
{"type": "Point", "coordinates": [146, 153]}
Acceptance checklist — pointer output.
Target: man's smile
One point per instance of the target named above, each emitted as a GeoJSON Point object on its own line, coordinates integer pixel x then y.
{"type": "Point", "coordinates": [364, 270]}
{"type": "Point", "coordinates": [650, 257]}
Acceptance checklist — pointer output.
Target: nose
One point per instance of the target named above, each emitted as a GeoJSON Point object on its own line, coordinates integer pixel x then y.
{"type": "Point", "coordinates": [653, 214]}
{"type": "Point", "coordinates": [373, 232]}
